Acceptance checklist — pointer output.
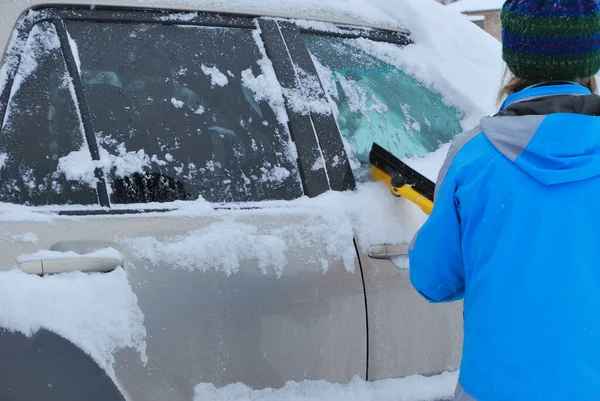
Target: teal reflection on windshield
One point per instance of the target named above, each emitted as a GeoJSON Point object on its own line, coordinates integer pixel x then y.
{"type": "Point", "coordinates": [378, 102]}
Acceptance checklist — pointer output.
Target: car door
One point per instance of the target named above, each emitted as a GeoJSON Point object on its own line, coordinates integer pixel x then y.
{"type": "Point", "coordinates": [156, 148]}
{"type": "Point", "coordinates": [377, 101]}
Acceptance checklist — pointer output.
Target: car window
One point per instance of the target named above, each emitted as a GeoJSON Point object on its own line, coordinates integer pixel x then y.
{"type": "Point", "coordinates": [41, 125]}
{"type": "Point", "coordinates": [378, 102]}
{"type": "Point", "coordinates": [176, 118]}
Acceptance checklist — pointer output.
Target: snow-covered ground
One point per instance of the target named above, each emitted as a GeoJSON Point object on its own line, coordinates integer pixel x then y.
{"type": "Point", "coordinates": [413, 388]}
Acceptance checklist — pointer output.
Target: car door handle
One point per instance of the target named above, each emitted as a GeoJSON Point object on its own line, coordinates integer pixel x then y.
{"type": "Point", "coordinates": [52, 262]}
{"type": "Point", "coordinates": [387, 251]}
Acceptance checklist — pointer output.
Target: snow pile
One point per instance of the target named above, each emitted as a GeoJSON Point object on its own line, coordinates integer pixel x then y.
{"type": "Point", "coordinates": [319, 230]}
{"type": "Point", "coordinates": [413, 388]}
{"type": "Point", "coordinates": [99, 313]}
{"type": "Point", "coordinates": [217, 78]}
{"type": "Point", "coordinates": [79, 166]}
{"type": "Point", "coordinates": [220, 246]}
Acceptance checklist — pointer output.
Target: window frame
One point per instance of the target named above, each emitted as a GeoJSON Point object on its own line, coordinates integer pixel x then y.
{"type": "Point", "coordinates": [312, 134]}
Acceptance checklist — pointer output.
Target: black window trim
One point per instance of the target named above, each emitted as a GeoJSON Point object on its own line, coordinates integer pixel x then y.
{"type": "Point", "coordinates": [311, 134]}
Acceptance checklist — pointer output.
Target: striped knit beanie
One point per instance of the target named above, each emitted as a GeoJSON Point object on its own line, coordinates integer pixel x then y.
{"type": "Point", "coordinates": [551, 39]}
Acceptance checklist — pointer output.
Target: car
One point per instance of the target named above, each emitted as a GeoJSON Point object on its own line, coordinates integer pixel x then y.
{"type": "Point", "coordinates": [185, 194]}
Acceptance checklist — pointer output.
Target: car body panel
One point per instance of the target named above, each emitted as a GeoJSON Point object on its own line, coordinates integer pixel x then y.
{"type": "Point", "coordinates": [406, 333]}
{"type": "Point", "coordinates": [205, 326]}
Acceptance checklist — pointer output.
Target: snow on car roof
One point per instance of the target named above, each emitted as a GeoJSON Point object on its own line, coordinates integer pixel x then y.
{"type": "Point", "coordinates": [476, 5]}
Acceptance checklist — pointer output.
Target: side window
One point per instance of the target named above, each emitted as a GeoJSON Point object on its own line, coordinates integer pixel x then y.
{"type": "Point", "coordinates": [41, 125]}
{"type": "Point", "coordinates": [184, 111]}
{"type": "Point", "coordinates": [378, 102]}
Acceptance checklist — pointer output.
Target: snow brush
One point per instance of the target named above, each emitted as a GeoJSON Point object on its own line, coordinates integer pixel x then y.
{"type": "Point", "coordinates": [403, 180]}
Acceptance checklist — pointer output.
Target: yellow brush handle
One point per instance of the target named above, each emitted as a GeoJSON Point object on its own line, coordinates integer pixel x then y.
{"type": "Point", "coordinates": [405, 191]}
{"type": "Point", "coordinates": [409, 193]}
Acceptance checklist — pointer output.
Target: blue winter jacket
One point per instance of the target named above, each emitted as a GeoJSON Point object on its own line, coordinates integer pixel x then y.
{"type": "Point", "coordinates": [515, 232]}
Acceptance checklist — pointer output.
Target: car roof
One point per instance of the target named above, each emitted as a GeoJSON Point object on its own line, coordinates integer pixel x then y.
{"type": "Point", "coordinates": [11, 10]}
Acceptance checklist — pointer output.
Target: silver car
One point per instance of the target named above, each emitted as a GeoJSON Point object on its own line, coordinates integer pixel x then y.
{"type": "Point", "coordinates": [173, 188]}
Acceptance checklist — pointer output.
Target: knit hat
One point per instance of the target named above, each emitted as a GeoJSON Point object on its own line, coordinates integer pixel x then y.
{"type": "Point", "coordinates": [551, 39]}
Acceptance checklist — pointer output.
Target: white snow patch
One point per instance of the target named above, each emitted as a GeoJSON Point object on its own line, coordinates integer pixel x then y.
{"type": "Point", "coordinates": [220, 246]}
{"type": "Point", "coordinates": [40, 41]}
{"type": "Point", "coordinates": [306, 99]}
{"type": "Point", "coordinates": [26, 238]}
{"type": "Point", "coordinates": [321, 26]}
{"type": "Point", "coordinates": [179, 17]}
{"type": "Point", "coordinates": [412, 388]}
{"type": "Point", "coordinates": [431, 164]}
{"type": "Point", "coordinates": [177, 103]}
{"type": "Point", "coordinates": [217, 78]}
{"type": "Point", "coordinates": [109, 253]}
{"type": "Point", "coordinates": [99, 313]}
{"type": "Point", "coordinates": [79, 166]}
{"type": "Point", "coordinates": [3, 158]}
{"type": "Point", "coordinates": [319, 165]}
{"type": "Point", "coordinates": [75, 51]}
{"type": "Point", "coordinates": [266, 86]}
{"type": "Point", "coordinates": [274, 174]}
{"type": "Point", "coordinates": [476, 5]}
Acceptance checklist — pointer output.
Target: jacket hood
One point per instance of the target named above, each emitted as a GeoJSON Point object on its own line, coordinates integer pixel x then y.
{"type": "Point", "coordinates": [550, 132]}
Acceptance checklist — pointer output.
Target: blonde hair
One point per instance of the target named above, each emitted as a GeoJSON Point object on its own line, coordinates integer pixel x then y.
{"type": "Point", "coordinates": [512, 84]}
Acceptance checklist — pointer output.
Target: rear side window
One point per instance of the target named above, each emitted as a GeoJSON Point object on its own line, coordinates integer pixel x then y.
{"type": "Point", "coordinates": [41, 125]}
{"type": "Point", "coordinates": [184, 111]}
{"type": "Point", "coordinates": [378, 102]}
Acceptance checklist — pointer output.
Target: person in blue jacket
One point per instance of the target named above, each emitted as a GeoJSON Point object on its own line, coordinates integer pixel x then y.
{"type": "Point", "coordinates": [515, 228]}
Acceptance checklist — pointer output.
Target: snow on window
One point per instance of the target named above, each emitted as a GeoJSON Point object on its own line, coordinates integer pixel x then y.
{"type": "Point", "coordinates": [75, 51]}
{"type": "Point", "coordinates": [177, 103]}
{"type": "Point", "coordinates": [274, 174]}
{"type": "Point", "coordinates": [42, 39]}
{"type": "Point", "coordinates": [79, 166]}
{"type": "Point", "coordinates": [359, 100]}
{"type": "Point", "coordinates": [328, 82]}
{"type": "Point", "coordinates": [3, 157]}
{"type": "Point", "coordinates": [307, 97]}
{"type": "Point", "coordinates": [103, 313]}
{"type": "Point", "coordinates": [266, 87]}
{"type": "Point", "coordinates": [412, 388]}
{"type": "Point", "coordinates": [217, 78]}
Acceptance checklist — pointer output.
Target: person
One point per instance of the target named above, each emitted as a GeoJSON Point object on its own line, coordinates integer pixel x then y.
{"type": "Point", "coordinates": [515, 228]}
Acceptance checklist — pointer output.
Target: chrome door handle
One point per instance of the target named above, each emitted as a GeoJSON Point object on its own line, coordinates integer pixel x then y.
{"type": "Point", "coordinates": [53, 263]}
{"type": "Point", "coordinates": [388, 251]}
